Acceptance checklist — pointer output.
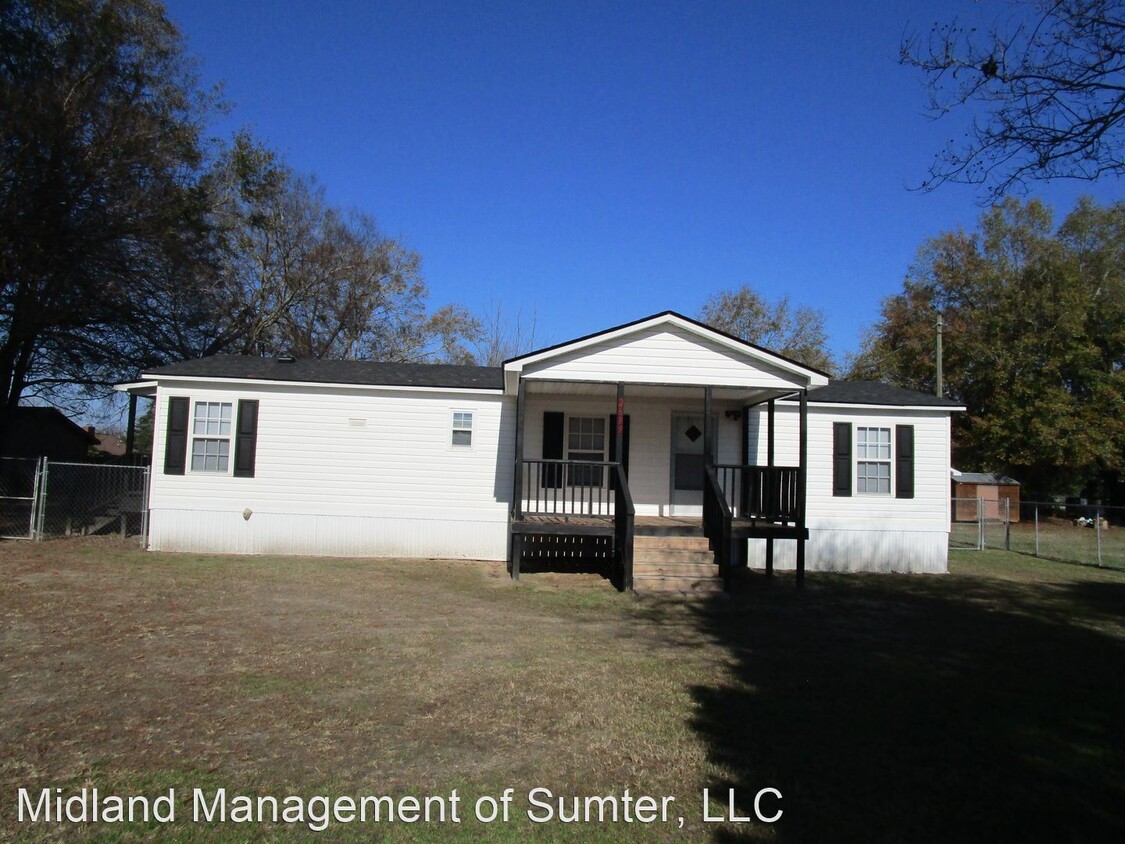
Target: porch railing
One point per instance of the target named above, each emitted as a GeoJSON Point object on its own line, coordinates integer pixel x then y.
{"type": "Point", "coordinates": [623, 524]}
{"type": "Point", "coordinates": [717, 518]}
{"type": "Point", "coordinates": [770, 493]}
{"type": "Point", "coordinates": [568, 488]}
{"type": "Point", "coordinates": [582, 488]}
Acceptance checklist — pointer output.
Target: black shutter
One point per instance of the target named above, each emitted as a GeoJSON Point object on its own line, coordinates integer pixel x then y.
{"type": "Point", "coordinates": [842, 459]}
{"type": "Point", "coordinates": [552, 448]}
{"type": "Point", "coordinates": [904, 461]}
{"type": "Point", "coordinates": [246, 439]}
{"type": "Point", "coordinates": [175, 442]}
{"type": "Point", "coordinates": [624, 440]}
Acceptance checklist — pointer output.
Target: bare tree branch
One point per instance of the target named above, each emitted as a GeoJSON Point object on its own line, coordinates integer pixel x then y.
{"type": "Point", "coordinates": [1052, 84]}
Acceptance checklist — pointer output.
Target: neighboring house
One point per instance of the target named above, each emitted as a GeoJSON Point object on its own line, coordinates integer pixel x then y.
{"type": "Point", "coordinates": [46, 432]}
{"type": "Point", "coordinates": [984, 492]}
{"type": "Point", "coordinates": [640, 436]}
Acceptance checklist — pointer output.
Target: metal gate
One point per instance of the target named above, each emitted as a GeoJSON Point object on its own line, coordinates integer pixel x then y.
{"type": "Point", "coordinates": [19, 496]}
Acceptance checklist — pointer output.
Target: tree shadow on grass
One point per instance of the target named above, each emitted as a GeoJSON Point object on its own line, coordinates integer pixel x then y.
{"type": "Point", "coordinates": [920, 709]}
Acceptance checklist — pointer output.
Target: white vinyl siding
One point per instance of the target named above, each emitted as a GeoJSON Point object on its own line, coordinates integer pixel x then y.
{"type": "Point", "coordinates": [359, 472]}
{"type": "Point", "coordinates": [866, 532]}
{"type": "Point", "coordinates": [664, 355]}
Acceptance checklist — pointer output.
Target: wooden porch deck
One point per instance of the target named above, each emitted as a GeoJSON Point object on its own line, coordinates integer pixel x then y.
{"type": "Point", "coordinates": [584, 525]}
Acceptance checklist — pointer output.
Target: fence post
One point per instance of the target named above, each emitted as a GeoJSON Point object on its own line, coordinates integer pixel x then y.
{"type": "Point", "coordinates": [144, 508]}
{"type": "Point", "coordinates": [34, 499]}
{"type": "Point", "coordinates": [1098, 529]}
{"type": "Point", "coordinates": [980, 523]}
{"type": "Point", "coordinates": [1007, 524]}
{"type": "Point", "coordinates": [1036, 530]}
{"type": "Point", "coordinates": [41, 516]}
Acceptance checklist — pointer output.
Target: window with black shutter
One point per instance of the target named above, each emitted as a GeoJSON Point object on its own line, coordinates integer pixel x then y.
{"type": "Point", "coordinates": [246, 439]}
{"type": "Point", "coordinates": [176, 436]}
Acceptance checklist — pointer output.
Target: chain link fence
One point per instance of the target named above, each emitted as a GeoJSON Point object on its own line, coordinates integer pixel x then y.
{"type": "Point", "coordinates": [1089, 534]}
{"type": "Point", "coordinates": [19, 490]}
{"type": "Point", "coordinates": [41, 499]}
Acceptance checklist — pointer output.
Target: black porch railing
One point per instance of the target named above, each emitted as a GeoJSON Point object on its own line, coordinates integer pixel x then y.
{"type": "Point", "coordinates": [571, 493]}
{"type": "Point", "coordinates": [624, 515]}
{"type": "Point", "coordinates": [717, 518]}
{"type": "Point", "coordinates": [567, 488]}
{"type": "Point", "coordinates": [768, 493]}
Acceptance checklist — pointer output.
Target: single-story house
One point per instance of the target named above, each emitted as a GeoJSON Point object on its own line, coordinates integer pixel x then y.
{"type": "Point", "coordinates": [673, 452]}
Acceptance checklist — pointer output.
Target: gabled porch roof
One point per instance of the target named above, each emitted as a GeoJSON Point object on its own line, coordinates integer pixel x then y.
{"type": "Point", "coordinates": [661, 355]}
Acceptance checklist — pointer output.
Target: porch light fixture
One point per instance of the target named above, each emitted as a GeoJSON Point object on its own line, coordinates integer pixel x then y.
{"type": "Point", "coordinates": [733, 415]}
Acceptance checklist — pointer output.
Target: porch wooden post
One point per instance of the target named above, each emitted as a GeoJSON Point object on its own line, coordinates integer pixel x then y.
{"type": "Point", "coordinates": [516, 510]}
{"type": "Point", "coordinates": [131, 430]}
{"type": "Point", "coordinates": [771, 428]}
{"type": "Point", "coordinates": [802, 477]}
{"type": "Point", "coordinates": [619, 440]}
{"type": "Point", "coordinates": [742, 547]}
{"type": "Point", "coordinates": [708, 433]}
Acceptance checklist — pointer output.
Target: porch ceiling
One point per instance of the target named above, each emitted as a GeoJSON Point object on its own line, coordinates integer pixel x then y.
{"type": "Point", "coordinates": [742, 395]}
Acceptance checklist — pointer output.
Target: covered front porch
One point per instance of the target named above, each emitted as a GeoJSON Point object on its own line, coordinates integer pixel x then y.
{"type": "Point", "coordinates": [662, 419]}
{"type": "Point", "coordinates": [597, 466]}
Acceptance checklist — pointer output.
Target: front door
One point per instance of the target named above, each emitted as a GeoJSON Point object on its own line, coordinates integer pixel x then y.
{"type": "Point", "coordinates": [687, 465]}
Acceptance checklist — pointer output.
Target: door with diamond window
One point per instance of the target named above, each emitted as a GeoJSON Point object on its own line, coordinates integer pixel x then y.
{"type": "Point", "coordinates": [687, 465]}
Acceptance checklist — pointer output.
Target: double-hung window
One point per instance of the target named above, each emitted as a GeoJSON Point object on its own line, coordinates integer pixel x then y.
{"type": "Point", "coordinates": [873, 461]}
{"type": "Point", "coordinates": [586, 441]}
{"type": "Point", "coordinates": [211, 436]}
{"type": "Point", "coordinates": [462, 428]}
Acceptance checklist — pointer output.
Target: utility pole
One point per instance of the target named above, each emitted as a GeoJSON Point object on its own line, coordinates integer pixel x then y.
{"type": "Point", "coordinates": [937, 381]}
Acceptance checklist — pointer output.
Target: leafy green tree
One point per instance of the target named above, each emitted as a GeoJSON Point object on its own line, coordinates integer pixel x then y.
{"type": "Point", "coordinates": [100, 196]}
{"type": "Point", "coordinates": [796, 333]}
{"type": "Point", "coordinates": [1051, 81]}
{"type": "Point", "coordinates": [1034, 329]}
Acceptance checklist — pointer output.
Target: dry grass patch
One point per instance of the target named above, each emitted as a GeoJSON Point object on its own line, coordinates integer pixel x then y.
{"type": "Point", "coordinates": [884, 708]}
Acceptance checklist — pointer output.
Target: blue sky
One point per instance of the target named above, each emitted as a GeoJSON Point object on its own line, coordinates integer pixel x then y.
{"type": "Point", "coordinates": [590, 163]}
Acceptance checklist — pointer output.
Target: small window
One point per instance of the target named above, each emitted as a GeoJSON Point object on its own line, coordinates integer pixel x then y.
{"type": "Point", "coordinates": [462, 428]}
{"type": "Point", "coordinates": [211, 430]}
{"type": "Point", "coordinates": [585, 441]}
{"type": "Point", "coordinates": [873, 461]}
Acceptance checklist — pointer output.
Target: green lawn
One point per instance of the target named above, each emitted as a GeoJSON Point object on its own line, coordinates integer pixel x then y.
{"type": "Point", "coordinates": [982, 705]}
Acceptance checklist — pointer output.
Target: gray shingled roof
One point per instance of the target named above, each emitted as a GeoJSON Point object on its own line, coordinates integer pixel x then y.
{"type": "Point", "coordinates": [983, 478]}
{"type": "Point", "coordinates": [875, 392]}
{"type": "Point", "coordinates": [338, 372]}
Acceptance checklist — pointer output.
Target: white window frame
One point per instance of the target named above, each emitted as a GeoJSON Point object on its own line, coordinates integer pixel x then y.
{"type": "Point", "coordinates": [877, 453]}
{"type": "Point", "coordinates": [207, 435]}
{"type": "Point", "coordinates": [461, 422]}
{"type": "Point", "coordinates": [568, 451]}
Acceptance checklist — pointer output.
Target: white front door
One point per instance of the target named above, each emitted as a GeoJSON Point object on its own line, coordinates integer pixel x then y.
{"type": "Point", "coordinates": [687, 465]}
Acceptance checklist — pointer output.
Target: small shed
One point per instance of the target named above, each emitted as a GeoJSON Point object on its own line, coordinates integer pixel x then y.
{"type": "Point", "coordinates": [988, 490]}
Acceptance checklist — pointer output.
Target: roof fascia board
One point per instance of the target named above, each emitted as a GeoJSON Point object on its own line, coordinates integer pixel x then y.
{"type": "Point", "coordinates": [934, 408]}
{"type": "Point", "coordinates": [140, 388]}
{"type": "Point", "coordinates": [333, 385]}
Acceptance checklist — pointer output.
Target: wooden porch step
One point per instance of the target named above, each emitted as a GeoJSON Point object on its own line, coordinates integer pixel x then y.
{"type": "Point", "coordinates": [671, 555]}
{"type": "Point", "coordinates": [678, 543]}
{"type": "Point", "coordinates": [674, 568]}
{"type": "Point", "coordinates": [674, 563]}
{"type": "Point", "coordinates": [677, 583]}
